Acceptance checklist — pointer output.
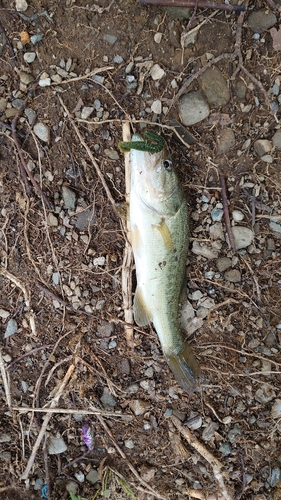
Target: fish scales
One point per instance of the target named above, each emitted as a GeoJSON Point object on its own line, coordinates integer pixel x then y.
{"type": "Point", "coordinates": [159, 235]}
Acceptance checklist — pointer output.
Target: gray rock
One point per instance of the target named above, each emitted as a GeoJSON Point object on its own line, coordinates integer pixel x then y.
{"type": "Point", "coordinates": [237, 215]}
{"type": "Point", "coordinates": [241, 89]}
{"type": "Point", "coordinates": [265, 394]}
{"type": "Point", "coordinates": [275, 477]}
{"type": "Point", "coordinates": [69, 198]}
{"type": "Point", "coordinates": [262, 146]}
{"type": "Point", "coordinates": [261, 20]}
{"type": "Point", "coordinates": [52, 221]}
{"type": "Point", "coordinates": [36, 38]}
{"type": "Point", "coordinates": [56, 445]}
{"type": "Point", "coordinates": [84, 220]}
{"type": "Point", "coordinates": [86, 112]}
{"type": "Point", "coordinates": [26, 78]}
{"type": "Point", "coordinates": [217, 214]}
{"type": "Point", "coordinates": [275, 226]}
{"type": "Point", "coordinates": [226, 141]}
{"type": "Point", "coordinates": [11, 112]}
{"type": "Point", "coordinates": [45, 82]}
{"type": "Point", "coordinates": [39, 483]}
{"type": "Point", "coordinates": [11, 328]}
{"type": "Point", "coordinates": [233, 275]}
{"type": "Point", "coordinates": [92, 476]}
{"type": "Point", "coordinates": [243, 236]}
{"type": "Point", "coordinates": [118, 59]}
{"type": "Point", "coordinates": [204, 250]}
{"type": "Point", "coordinates": [42, 131]}
{"type": "Point", "coordinates": [215, 87]}
{"type": "Point", "coordinates": [107, 399]}
{"type": "Point", "coordinates": [193, 108]}
{"type": "Point", "coordinates": [276, 139]}
{"type": "Point", "coordinates": [267, 158]}
{"type": "Point", "coordinates": [276, 409]}
{"type": "Point", "coordinates": [3, 103]}
{"type": "Point", "coordinates": [111, 39]}
{"type": "Point", "coordinates": [31, 115]}
{"type": "Point", "coordinates": [223, 263]}
{"type": "Point", "coordinates": [112, 154]}
{"type": "Point", "coordinates": [225, 449]}
{"type": "Point", "coordinates": [72, 487]}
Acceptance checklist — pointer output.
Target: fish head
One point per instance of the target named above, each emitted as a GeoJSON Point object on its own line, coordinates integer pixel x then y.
{"type": "Point", "coordinates": [154, 179]}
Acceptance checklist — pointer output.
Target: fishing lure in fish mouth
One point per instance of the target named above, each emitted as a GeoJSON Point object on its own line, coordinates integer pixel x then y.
{"type": "Point", "coordinates": [153, 143]}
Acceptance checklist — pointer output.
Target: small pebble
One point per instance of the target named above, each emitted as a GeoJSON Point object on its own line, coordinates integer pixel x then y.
{"type": "Point", "coordinates": [156, 107]}
{"type": "Point", "coordinates": [262, 146]}
{"type": "Point", "coordinates": [276, 139]}
{"type": "Point", "coordinates": [11, 328]}
{"type": "Point", "coordinates": [265, 394]}
{"type": "Point", "coordinates": [69, 198]}
{"type": "Point", "coordinates": [156, 72]}
{"type": "Point", "coordinates": [223, 263]}
{"type": "Point", "coordinates": [111, 39]}
{"type": "Point", "coordinates": [129, 443]}
{"type": "Point", "coordinates": [52, 221]}
{"type": "Point", "coordinates": [217, 214]}
{"type": "Point", "coordinates": [118, 59]}
{"type": "Point", "coordinates": [243, 236]}
{"type": "Point", "coordinates": [92, 476]}
{"type": "Point", "coordinates": [107, 399]}
{"type": "Point", "coordinates": [42, 131]}
{"type": "Point", "coordinates": [193, 108]}
{"type": "Point", "coordinates": [86, 112]}
{"type": "Point", "coordinates": [45, 82]}
{"type": "Point", "coordinates": [112, 154]}
{"type": "Point", "coordinates": [233, 275]}
{"type": "Point", "coordinates": [276, 409]}
{"type": "Point", "coordinates": [56, 445]}
{"type": "Point", "coordinates": [29, 57]}
{"type": "Point", "coordinates": [237, 215]}
{"type": "Point", "coordinates": [26, 78]}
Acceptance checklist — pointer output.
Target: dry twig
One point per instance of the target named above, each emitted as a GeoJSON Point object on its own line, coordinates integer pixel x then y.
{"type": "Point", "coordinates": [60, 389]}
{"type": "Point", "coordinates": [207, 455]}
{"type": "Point", "coordinates": [5, 378]}
{"type": "Point", "coordinates": [204, 4]}
{"type": "Point", "coordinates": [14, 279]}
{"type": "Point", "coordinates": [128, 252]}
{"type": "Point", "coordinates": [226, 215]}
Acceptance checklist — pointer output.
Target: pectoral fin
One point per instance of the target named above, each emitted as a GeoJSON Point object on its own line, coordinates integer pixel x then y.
{"type": "Point", "coordinates": [185, 368]}
{"type": "Point", "coordinates": [142, 314]}
{"type": "Point", "coordinates": [165, 233]}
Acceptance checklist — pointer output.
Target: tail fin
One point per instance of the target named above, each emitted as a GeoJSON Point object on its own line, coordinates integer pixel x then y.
{"type": "Point", "coordinates": [185, 368]}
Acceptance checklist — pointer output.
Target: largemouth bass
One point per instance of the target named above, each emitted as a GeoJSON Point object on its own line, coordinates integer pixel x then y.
{"type": "Point", "coordinates": [159, 237]}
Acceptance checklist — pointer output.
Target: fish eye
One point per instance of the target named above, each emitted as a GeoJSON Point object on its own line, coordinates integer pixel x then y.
{"type": "Point", "coordinates": [168, 165]}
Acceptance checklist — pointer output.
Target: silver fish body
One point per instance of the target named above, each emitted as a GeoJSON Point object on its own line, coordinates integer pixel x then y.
{"type": "Point", "coordinates": [159, 236]}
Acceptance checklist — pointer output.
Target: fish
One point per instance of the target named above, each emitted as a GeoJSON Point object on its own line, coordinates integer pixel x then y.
{"type": "Point", "coordinates": [158, 215]}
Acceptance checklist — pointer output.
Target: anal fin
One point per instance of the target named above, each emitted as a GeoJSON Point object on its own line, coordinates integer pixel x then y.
{"type": "Point", "coordinates": [185, 368]}
{"type": "Point", "coordinates": [142, 314]}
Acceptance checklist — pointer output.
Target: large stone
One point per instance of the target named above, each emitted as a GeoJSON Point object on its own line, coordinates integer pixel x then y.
{"type": "Point", "coordinates": [193, 108]}
{"type": "Point", "coordinates": [215, 87]}
{"type": "Point", "coordinates": [261, 20]}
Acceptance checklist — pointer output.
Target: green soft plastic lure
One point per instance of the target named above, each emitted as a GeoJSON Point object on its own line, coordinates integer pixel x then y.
{"type": "Point", "coordinates": [153, 143]}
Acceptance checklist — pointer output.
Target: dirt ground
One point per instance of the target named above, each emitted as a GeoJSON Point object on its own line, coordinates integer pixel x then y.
{"type": "Point", "coordinates": [63, 339]}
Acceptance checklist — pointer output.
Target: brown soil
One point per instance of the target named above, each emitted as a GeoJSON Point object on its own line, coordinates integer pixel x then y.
{"type": "Point", "coordinates": [238, 346]}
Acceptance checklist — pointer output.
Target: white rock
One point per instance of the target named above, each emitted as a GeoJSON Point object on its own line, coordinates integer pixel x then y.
{"type": "Point", "coordinates": [99, 261]}
{"type": "Point", "coordinates": [243, 236]}
{"type": "Point", "coordinates": [4, 314]}
{"type": "Point", "coordinates": [156, 72]}
{"type": "Point", "coordinates": [21, 5]}
{"type": "Point", "coordinates": [45, 82]}
{"type": "Point", "coordinates": [156, 107]}
{"type": "Point", "coordinates": [42, 131]}
{"type": "Point", "coordinates": [276, 409]}
{"type": "Point", "coordinates": [158, 37]}
{"type": "Point", "coordinates": [237, 215]}
{"type": "Point", "coordinates": [29, 57]}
